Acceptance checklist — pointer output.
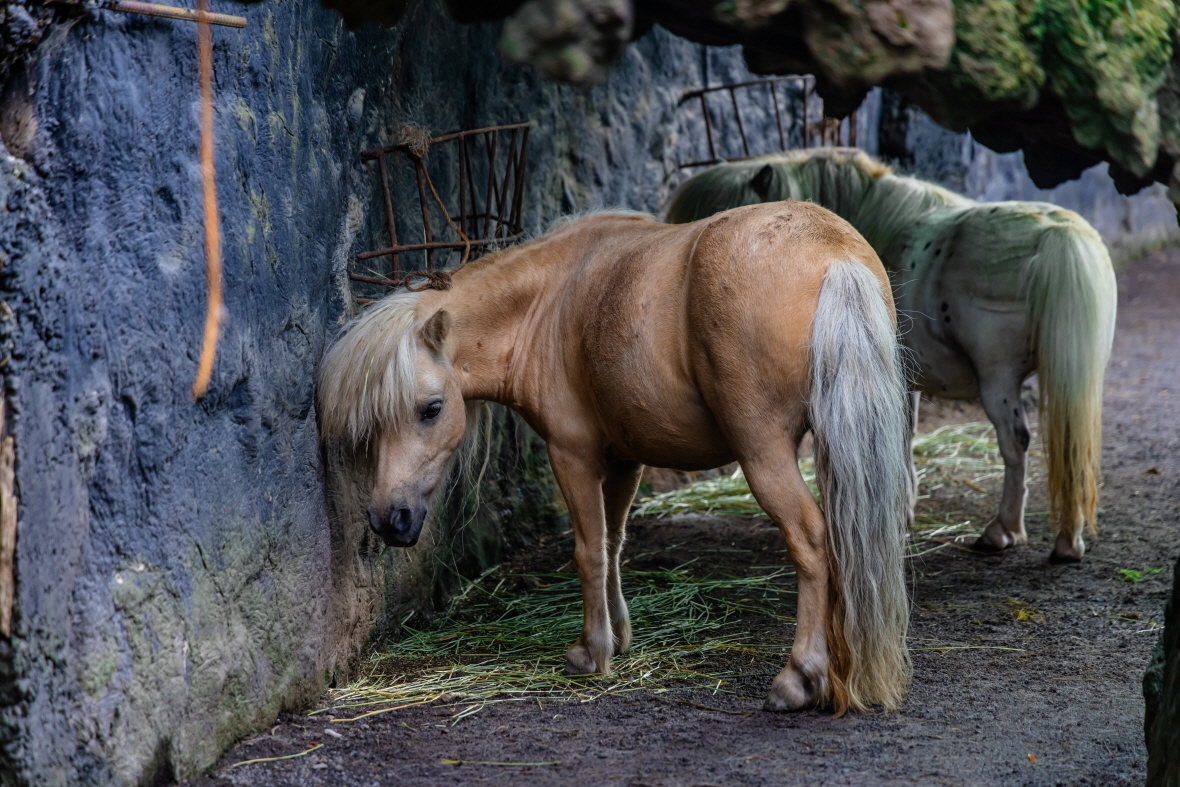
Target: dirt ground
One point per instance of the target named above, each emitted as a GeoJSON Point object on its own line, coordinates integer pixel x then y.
{"type": "Point", "coordinates": [1051, 700]}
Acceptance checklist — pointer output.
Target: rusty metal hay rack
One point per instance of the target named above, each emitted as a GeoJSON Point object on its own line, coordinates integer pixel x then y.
{"type": "Point", "coordinates": [825, 131]}
{"type": "Point", "coordinates": [479, 225]}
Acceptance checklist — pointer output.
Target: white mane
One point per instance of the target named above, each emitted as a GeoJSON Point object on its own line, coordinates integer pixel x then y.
{"type": "Point", "coordinates": [368, 379]}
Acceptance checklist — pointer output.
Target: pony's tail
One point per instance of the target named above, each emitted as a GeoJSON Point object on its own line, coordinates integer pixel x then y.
{"type": "Point", "coordinates": [1072, 298]}
{"type": "Point", "coordinates": [859, 422]}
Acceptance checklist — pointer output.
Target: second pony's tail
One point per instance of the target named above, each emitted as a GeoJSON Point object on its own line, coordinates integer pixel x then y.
{"type": "Point", "coordinates": [1072, 299]}
{"type": "Point", "coordinates": [860, 426]}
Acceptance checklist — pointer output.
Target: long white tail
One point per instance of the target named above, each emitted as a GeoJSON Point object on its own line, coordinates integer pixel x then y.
{"type": "Point", "coordinates": [1072, 298]}
{"type": "Point", "coordinates": [860, 427]}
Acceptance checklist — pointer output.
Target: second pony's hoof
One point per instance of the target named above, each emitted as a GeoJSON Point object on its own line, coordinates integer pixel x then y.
{"type": "Point", "coordinates": [997, 538]}
{"type": "Point", "coordinates": [1065, 551]}
{"type": "Point", "coordinates": [987, 547]}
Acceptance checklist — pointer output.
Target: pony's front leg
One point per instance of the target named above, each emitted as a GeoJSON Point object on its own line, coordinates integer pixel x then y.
{"type": "Point", "coordinates": [618, 491]}
{"type": "Point", "coordinates": [581, 484]}
{"type": "Point", "coordinates": [1002, 403]}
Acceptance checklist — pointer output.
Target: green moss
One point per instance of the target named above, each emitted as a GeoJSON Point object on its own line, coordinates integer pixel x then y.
{"type": "Point", "coordinates": [1105, 60]}
{"type": "Point", "coordinates": [997, 53]}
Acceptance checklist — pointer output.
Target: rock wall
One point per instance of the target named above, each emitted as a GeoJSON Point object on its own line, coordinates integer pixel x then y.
{"type": "Point", "coordinates": [1161, 694]}
{"type": "Point", "coordinates": [181, 574]}
{"type": "Point", "coordinates": [185, 570]}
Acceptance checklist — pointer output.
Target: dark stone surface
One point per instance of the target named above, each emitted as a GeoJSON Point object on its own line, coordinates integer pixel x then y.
{"type": "Point", "coordinates": [181, 574]}
{"type": "Point", "coordinates": [1161, 693]}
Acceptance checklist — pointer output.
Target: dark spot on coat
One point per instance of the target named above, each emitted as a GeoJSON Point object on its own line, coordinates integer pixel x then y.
{"type": "Point", "coordinates": [945, 305]}
{"type": "Point", "coordinates": [937, 252]}
{"type": "Point", "coordinates": [1022, 436]}
{"type": "Point", "coordinates": [946, 318]}
{"type": "Point", "coordinates": [927, 245]}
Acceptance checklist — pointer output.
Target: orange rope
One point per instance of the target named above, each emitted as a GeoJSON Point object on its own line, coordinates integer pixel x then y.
{"type": "Point", "coordinates": [209, 183]}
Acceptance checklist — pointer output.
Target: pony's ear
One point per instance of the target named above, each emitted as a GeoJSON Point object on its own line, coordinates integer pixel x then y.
{"type": "Point", "coordinates": [762, 181]}
{"type": "Point", "coordinates": [434, 331]}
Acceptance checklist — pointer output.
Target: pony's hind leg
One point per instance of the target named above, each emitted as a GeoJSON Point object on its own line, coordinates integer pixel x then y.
{"type": "Point", "coordinates": [581, 484]}
{"type": "Point", "coordinates": [912, 488]}
{"type": "Point", "coordinates": [618, 492]}
{"type": "Point", "coordinates": [1001, 401]}
{"type": "Point", "coordinates": [779, 488]}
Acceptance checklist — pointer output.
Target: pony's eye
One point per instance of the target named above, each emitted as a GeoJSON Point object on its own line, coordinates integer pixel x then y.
{"type": "Point", "coordinates": [432, 410]}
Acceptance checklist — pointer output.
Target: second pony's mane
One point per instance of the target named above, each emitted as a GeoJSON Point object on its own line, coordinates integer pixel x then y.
{"type": "Point", "coordinates": [851, 184]}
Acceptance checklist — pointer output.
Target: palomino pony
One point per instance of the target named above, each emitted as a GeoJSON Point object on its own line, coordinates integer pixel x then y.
{"type": "Point", "coordinates": [989, 293]}
{"type": "Point", "coordinates": [624, 341]}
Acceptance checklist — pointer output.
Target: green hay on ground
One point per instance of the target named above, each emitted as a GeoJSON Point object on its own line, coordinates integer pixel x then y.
{"type": "Point", "coordinates": [499, 646]}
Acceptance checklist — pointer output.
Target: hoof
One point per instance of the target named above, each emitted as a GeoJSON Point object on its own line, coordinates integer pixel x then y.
{"type": "Point", "coordinates": [987, 547]}
{"type": "Point", "coordinates": [793, 690]}
{"type": "Point", "coordinates": [1066, 550]}
{"type": "Point", "coordinates": [579, 661]}
{"type": "Point", "coordinates": [997, 538]}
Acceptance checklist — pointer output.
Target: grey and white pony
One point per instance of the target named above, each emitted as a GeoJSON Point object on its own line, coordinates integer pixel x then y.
{"type": "Point", "coordinates": [987, 294]}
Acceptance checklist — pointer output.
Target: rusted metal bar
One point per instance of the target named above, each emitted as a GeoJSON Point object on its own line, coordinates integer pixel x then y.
{"type": "Point", "coordinates": [439, 244]}
{"type": "Point", "coordinates": [502, 199]}
{"type": "Point", "coordinates": [384, 170]}
{"type": "Point", "coordinates": [518, 201]}
{"type": "Point", "coordinates": [372, 153]}
{"type": "Point", "coordinates": [418, 170]}
{"type": "Point", "coordinates": [170, 12]}
{"type": "Point", "coordinates": [492, 138]}
{"type": "Point", "coordinates": [689, 94]}
{"type": "Point", "coordinates": [462, 189]}
{"type": "Point", "coordinates": [737, 113]}
{"type": "Point", "coordinates": [778, 118]}
{"type": "Point", "coordinates": [474, 131]}
{"type": "Point", "coordinates": [473, 226]}
{"type": "Point", "coordinates": [375, 280]}
{"type": "Point", "coordinates": [708, 127]}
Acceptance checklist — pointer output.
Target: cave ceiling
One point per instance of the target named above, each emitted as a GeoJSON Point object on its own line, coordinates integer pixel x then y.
{"type": "Point", "coordinates": [1069, 82]}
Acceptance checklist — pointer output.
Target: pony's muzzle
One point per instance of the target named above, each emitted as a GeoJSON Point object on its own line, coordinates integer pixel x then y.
{"type": "Point", "coordinates": [398, 525]}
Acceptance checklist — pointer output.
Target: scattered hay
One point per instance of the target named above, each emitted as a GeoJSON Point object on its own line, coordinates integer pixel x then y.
{"type": "Point", "coordinates": [501, 645]}
{"type": "Point", "coordinates": [503, 639]}
{"type": "Point", "coordinates": [1022, 612]}
{"type": "Point", "coordinates": [964, 454]}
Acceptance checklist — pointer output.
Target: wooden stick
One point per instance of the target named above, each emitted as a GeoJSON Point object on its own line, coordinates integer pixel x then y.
{"type": "Point", "coordinates": [212, 224]}
{"type": "Point", "coordinates": [182, 14]}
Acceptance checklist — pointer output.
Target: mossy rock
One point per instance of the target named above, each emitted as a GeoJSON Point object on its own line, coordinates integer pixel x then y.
{"type": "Point", "coordinates": [1161, 694]}
{"type": "Point", "coordinates": [1103, 60]}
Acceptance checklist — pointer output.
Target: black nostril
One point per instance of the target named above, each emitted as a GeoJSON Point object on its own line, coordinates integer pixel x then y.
{"type": "Point", "coordinates": [374, 520]}
{"type": "Point", "coordinates": [401, 519]}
